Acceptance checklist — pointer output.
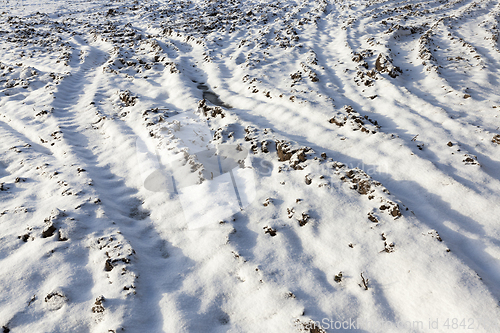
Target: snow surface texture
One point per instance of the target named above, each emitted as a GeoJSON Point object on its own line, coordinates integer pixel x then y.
{"type": "Point", "coordinates": [229, 166]}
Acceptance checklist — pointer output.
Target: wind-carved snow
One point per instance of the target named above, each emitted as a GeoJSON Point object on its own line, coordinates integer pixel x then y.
{"type": "Point", "coordinates": [208, 166]}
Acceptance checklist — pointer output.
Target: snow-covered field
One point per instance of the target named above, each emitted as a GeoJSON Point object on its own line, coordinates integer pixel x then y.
{"type": "Point", "coordinates": [250, 166]}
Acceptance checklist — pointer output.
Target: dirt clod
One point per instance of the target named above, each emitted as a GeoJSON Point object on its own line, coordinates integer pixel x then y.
{"type": "Point", "coordinates": [49, 230]}
{"type": "Point", "coordinates": [303, 221]}
{"type": "Point", "coordinates": [108, 266]}
{"type": "Point", "coordinates": [372, 218]}
{"type": "Point", "coordinates": [270, 231]}
{"type": "Point", "coordinates": [496, 139]}
{"type": "Point", "coordinates": [383, 64]}
{"type": "Point", "coordinates": [98, 305]}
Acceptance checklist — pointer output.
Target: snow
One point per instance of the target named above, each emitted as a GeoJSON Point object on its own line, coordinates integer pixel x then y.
{"type": "Point", "coordinates": [211, 166]}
